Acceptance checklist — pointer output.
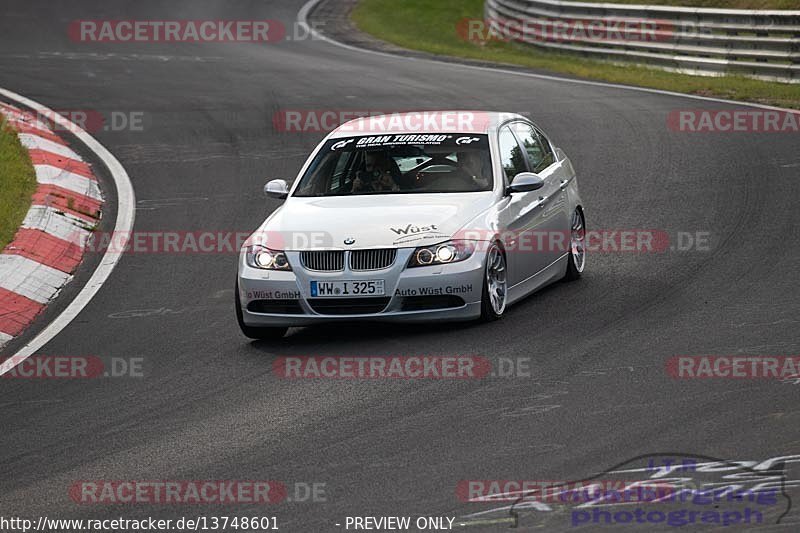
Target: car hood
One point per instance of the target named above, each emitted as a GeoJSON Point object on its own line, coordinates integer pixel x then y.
{"type": "Point", "coordinates": [385, 221]}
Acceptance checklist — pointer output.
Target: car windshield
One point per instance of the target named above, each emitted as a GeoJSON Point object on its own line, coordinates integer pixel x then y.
{"type": "Point", "coordinates": [399, 164]}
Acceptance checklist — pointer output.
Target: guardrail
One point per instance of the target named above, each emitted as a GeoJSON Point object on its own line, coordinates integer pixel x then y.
{"type": "Point", "coordinates": [760, 44]}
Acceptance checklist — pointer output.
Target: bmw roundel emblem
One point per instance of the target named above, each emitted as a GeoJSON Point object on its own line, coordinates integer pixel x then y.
{"type": "Point", "coordinates": [348, 241]}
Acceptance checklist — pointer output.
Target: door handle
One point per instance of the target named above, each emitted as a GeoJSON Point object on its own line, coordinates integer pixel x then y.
{"type": "Point", "coordinates": [564, 184]}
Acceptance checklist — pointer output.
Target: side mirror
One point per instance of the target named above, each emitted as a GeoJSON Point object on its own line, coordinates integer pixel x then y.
{"type": "Point", "coordinates": [277, 189]}
{"type": "Point", "coordinates": [525, 182]}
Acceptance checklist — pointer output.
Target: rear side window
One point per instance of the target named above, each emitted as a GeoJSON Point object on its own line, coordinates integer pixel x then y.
{"type": "Point", "coordinates": [537, 149]}
{"type": "Point", "coordinates": [511, 157]}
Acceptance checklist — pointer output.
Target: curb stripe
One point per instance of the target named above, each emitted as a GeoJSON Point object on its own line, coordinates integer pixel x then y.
{"type": "Point", "coordinates": [34, 142]}
{"type": "Point", "coordinates": [18, 114]}
{"type": "Point", "coordinates": [82, 185]}
{"type": "Point", "coordinates": [25, 127]}
{"type": "Point", "coordinates": [30, 279]}
{"type": "Point", "coordinates": [14, 114]}
{"type": "Point", "coordinates": [126, 213]}
{"type": "Point", "coordinates": [49, 245]}
{"type": "Point", "coordinates": [40, 157]}
{"type": "Point", "coordinates": [47, 249]}
{"type": "Point", "coordinates": [26, 118]}
{"type": "Point", "coordinates": [10, 108]}
{"type": "Point", "coordinates": [77, 205]}
{"type": "Point", "coordinates": [59, 225]}
{"type": "Point", "coordinates": [16, 312]}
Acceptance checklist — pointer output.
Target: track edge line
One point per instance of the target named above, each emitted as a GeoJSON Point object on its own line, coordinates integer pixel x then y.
{"type": "Point", "coordinates": [126, 214]}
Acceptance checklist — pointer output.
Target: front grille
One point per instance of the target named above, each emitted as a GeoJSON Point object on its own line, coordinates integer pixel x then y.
{"type": "Point", "coordinates": [278, 307]}
{"type": "Point", "coordinates": [323, 261]}
{"type": "Point", "coordinates": [348, 306]}
{"type": "Point", "coordinates": [424, 303]}
{"type": "Point", "coordinates": [360, 260]}
{"type": "Point", "coordinates": [372, 259]}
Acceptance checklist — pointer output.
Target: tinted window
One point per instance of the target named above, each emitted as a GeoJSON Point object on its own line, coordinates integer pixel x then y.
{"type": "Point", "coordinates": [536, 147]}
{"type": "Point", "coordinates": [511, 156]}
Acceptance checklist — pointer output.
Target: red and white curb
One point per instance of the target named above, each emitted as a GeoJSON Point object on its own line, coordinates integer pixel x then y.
{"type": "Point", "coordinates": [123, 225]}
{"type": "Point", "coordinates": [49, 245]}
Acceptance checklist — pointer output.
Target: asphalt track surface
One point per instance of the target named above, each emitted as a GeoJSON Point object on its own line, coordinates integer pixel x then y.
{"type": "Point", "coordinates": [209, 406]}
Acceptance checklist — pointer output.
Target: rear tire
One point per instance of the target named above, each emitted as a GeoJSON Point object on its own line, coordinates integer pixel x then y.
{"type": "Point", "coordinates": [495, 289]}
{"type": "Point", "coordinates": [254, 332]}
{"type": "Point", "coordinates": [576, 260]}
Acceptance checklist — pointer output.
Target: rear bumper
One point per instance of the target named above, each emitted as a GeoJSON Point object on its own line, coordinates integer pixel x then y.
{"type": "Point", "coordinates": [409, 293]}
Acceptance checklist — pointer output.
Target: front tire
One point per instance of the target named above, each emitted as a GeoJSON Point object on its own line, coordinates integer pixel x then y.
{"type": "Point", "coordinates": [577, 247]}
{"type": "Point", "coordinates": [254, 332]}
{"type": "Point", "coordinates": [495, 289]}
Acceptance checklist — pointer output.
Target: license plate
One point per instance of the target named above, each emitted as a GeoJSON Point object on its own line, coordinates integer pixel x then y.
{"type": "Point", "coordinates": [346, 289]}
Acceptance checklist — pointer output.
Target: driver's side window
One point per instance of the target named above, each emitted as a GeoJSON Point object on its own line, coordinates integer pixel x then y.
{"type": "Point", "coordinates": [511, 157]}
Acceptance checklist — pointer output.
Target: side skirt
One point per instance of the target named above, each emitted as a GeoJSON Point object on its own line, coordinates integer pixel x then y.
{"type": "Point", "coordinates": [549, 274]}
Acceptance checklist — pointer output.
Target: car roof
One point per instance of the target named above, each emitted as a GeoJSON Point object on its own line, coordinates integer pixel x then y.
{"type": "Point", "coordinates": [415, 122]}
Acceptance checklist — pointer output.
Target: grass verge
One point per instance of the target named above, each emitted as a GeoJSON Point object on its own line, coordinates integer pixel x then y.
{"type": "Point", "coordinates": [431, 27]}
{"type": "Point", "coordinates": [17, 183]}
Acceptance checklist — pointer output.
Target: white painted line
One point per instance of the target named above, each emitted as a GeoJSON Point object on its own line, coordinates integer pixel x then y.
{"type": "Point", "coordinates": [31, 279]}
{"type": "Point", "coordinates": [4, 338]}
{"type": "Point", "coordinates": [302, 19]}
{"type": "Point", "coordinates": [34, 142]}
{"type": "Point", "coordinates": [61, 225]}
{"type": "Point", "coordinates": [126, 204]}
{"type": "Point", "coordinates": [50, 175]}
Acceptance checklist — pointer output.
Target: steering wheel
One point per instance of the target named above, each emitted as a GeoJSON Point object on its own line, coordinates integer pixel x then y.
{"type": "Point", "coordinates": [435, 161]}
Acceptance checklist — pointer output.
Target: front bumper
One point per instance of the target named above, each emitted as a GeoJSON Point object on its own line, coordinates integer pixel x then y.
{"type": "Point", "coordinates": [277, 298]}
